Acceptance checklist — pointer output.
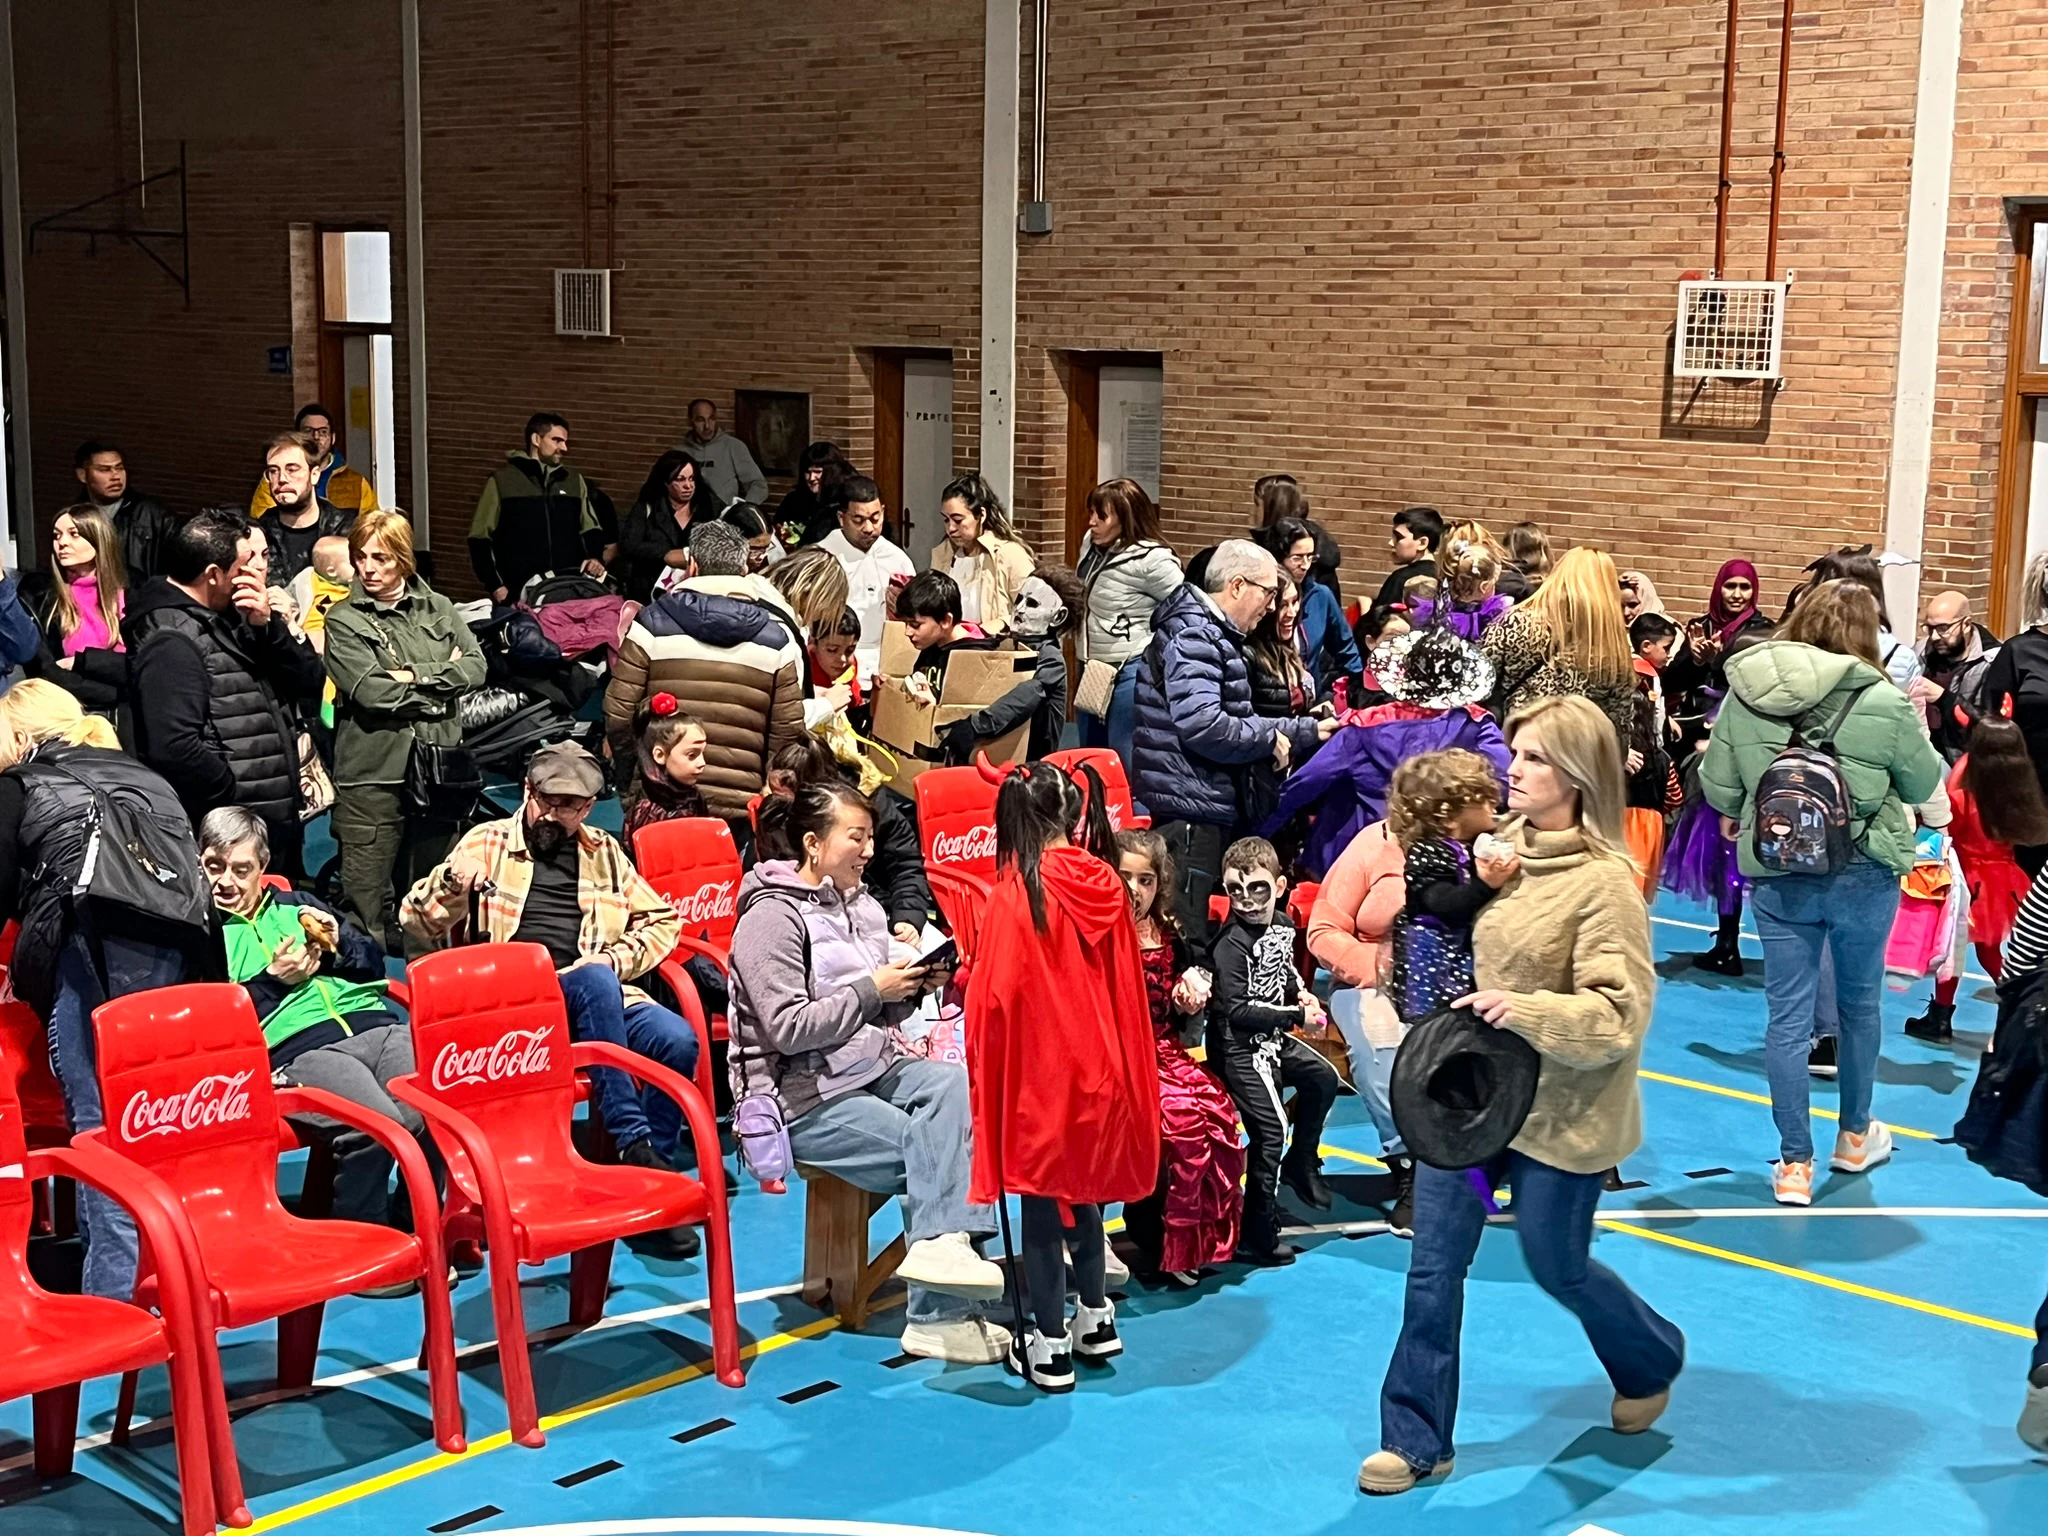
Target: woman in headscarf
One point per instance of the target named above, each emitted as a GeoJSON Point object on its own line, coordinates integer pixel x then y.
{"type": "Point", "coordinates": [1638, 596]}
{"type": "Point", "coordinates": [1700, 862]}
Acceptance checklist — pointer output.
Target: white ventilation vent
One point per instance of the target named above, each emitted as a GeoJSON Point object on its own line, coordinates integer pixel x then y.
{"type": "Point", "coordinates": [583, 301]}
{"type": "Point", "coordinates": [1729, 330]}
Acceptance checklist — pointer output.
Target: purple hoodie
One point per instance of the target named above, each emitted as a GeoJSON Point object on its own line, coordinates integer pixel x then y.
{"type": "Point", "coordinates": [1344, 786]}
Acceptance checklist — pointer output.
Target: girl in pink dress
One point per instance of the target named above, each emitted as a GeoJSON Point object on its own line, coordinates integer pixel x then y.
{"type": "Point", "coordinates": [1191, 1220]}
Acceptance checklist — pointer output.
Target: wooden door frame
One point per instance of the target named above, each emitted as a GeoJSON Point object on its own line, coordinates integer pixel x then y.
{"type": "Point", "coordinates": [887, 375]}
{"type": "Point", "coordinates": [2026, 384]}
{"type": "Point", "coordinates": [1084, 442]}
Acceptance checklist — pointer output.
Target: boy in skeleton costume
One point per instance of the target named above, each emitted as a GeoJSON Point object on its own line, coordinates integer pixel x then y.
{"type": "Point", "coordinates": [1049, 606]}
{"type": "Point", "coordinates": [1256, 1001]}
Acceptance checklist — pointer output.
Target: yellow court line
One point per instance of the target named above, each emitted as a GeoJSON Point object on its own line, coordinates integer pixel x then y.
{"type": "Point", "coordinates": [1349, 1156]}
{"type": "Point", "coordinates": [1811, 1277]}
{"type": "Point", "coordinates": [397, 1476]}
{"type": "Point", "coordinates": [1763, 1098]}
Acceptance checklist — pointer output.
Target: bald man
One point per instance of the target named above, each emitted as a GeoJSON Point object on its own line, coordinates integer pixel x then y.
{"type": "Point", "coordinates": [1955, 650]}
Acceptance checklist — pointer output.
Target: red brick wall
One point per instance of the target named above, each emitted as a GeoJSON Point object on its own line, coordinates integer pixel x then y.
{"type": "Point", "coordinates": [1409, 252]}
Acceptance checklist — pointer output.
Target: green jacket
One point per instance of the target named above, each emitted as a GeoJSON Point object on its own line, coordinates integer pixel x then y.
{"type": "Point", "coordinates": [347, 985]}
{"type": "Point", "coordinates": [376, 717]}
{"type": "Point", "coordinates": [1882, 746]}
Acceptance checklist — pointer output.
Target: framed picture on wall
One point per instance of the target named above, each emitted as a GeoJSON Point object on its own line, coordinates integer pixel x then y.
{"type": "Point", "coordinates": [775, 425]}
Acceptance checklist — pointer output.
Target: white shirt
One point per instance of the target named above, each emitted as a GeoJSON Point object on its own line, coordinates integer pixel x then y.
{"type": "Point", "coordinates": [867, 586]}
{"type": "Point", "coordinates": [967, 573]}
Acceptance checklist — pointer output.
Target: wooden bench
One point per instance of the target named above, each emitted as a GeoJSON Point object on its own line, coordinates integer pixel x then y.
{"type": "Point", "coordinates": [839, 1276]}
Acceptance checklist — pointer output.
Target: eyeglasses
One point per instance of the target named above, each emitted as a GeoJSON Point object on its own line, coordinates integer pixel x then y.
{"type": "Point", "coordinates": [1952, 627]}
{"type": "Point", "coordinates": [565, 805]}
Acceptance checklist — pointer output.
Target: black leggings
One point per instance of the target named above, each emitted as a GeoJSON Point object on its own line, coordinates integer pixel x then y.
{"type": "Point", "coordinates": [1045, 1266]}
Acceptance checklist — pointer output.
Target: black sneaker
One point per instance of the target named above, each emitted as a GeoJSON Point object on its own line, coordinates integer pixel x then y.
{"type": "Point", "coordinates": [642, 1155]}
{"type": "Point", "coordinates": [1401, 1214]}
{"type": "Point", "coordinates": [1936, 1025]}
{"type": "Point", "coordinates": [1046, 1363]}
{"type": "Point", "coordinates": [1281, 1253]}
{"type": "Point", "coordinates": [1722, 961]}
{"type": "Point", "coordinates": [1305, 1178]}
{"type": "Point", "coordinates": [1820, 1057]}
{"type": "Point", "coordinates": [1092, 1335]}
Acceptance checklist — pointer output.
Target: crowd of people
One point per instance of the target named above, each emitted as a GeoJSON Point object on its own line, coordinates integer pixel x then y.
{"type": "Point", "coordinates": [1486, 773]}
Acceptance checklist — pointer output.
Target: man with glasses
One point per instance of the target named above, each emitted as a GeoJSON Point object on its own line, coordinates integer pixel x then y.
{"type": "Point", "coordinates": [1196, 731]}
{"type": "Point", "coordinates": [1955, 653]}
{"type": "Point", "coordinates": [333, 480]}
{"type": "Point", "coordinates": [547, 877]}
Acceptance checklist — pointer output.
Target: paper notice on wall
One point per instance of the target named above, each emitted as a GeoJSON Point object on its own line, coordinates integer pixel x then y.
{"type": "Point", "coordinates": [1142, 422]}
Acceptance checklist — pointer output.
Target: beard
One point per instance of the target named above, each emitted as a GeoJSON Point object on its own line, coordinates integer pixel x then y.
{"type": "Point", "coordinates": [546, 838]}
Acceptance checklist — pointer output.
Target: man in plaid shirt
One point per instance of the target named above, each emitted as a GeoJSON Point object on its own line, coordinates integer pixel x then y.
{"type": "Point", "coordinates": [545, 877]}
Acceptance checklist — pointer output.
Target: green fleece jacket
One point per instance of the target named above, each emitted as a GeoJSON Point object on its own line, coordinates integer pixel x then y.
{"type": "Point", "coordinates": [1882, 746]}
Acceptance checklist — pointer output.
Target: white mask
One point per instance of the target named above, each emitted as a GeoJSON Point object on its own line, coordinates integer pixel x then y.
{"type": "Point", "coordinates": [1037, 611]}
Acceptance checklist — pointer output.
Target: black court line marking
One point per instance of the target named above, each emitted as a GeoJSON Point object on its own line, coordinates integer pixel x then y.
{"type": "Point", "coordinates": [471, 1518]}
{"type": "Point", "coordinates": [1638, 1183]}
{"type": "Point", "coordinates": [597, 1469]}
{"type": "Point", "coordinates": [898, 1362]}
{"type": "Point", "coordinates": [708, 1427]}
{"type": "Point", "coordinates": [815, 1389]}
{"type": "Point", "coordinates": [1708, 1173]}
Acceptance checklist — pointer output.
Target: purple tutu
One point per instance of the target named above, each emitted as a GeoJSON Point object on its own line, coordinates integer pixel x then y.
{"type": "Point", "coordinates": [1700, 862]}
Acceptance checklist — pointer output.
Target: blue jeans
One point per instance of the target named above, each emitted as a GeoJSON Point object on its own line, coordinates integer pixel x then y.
{"type": "Point", "coordinates": [598, 1011]}
{"type": "Point", "coordinates": [1848, 917]}
{"type": "Point", "coordinates": [1642, 1352]}
{"type": "Point", "coordinates": [133, 965]}
{"type": "Point", "coordinates": [2041, 1337]}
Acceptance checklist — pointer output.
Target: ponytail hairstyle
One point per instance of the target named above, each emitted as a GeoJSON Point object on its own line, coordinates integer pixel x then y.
{"type": "Point", "coordinates": [1036, 807]}
{"type": "Point", "coordinates": [1468, 562]}
{"type": "Point", "coordinates": [1092, 830]}
{"type": "Point", "coordinates": [981, 499]}
{"type": "Point", "coordinates": [813, 811]}
{"type": "Point", "coordinates": [1999, 776]}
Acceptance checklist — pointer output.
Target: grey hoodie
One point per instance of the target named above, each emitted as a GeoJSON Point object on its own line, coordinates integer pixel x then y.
{"type": "Point", "coordinates": [807, 1023]}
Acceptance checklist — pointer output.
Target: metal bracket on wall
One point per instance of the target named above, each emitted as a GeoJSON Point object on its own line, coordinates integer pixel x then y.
{"type": "Point", "coordinates": [175, 242]}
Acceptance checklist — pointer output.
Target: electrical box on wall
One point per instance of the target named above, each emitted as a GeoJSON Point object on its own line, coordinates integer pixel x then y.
{"type": "Point", "coordinates": [1729, 330]}
{"type": "Point", "coordinates": [583, 301]}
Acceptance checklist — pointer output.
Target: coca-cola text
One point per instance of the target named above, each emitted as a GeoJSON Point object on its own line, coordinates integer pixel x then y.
{"type": "Point", "coordinates": [711, 902]}
{"type": "Point", "coordinates": [516, 1053]}
{"type": "Point", "coordinates": [973, 846]}
{"type": "Point", "coordinates": [215, 1100]}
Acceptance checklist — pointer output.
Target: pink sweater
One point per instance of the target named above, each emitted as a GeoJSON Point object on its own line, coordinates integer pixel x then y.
{"type": "Point", "coordinates": [1356, 907]}
{"type": "Point", "coordinates": [92, 633]}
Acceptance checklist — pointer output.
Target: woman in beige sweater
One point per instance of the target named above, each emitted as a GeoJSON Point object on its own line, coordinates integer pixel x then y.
{"type": "Point", "coordinates": [1561, 957]}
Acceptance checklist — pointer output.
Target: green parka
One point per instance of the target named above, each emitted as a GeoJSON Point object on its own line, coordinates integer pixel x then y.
{"type": "Point", "coordinates": [377, 717]}
{"type": "Point", "coordinates": [1882, 746]}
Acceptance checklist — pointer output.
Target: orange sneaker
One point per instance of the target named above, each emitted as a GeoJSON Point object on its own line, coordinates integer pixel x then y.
{"type": "Point", "coordinates": [1860, 1154]}
{"type": "Point", "coordinates": [1792, 1183]}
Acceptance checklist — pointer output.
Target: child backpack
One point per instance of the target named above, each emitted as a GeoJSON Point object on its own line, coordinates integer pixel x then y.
{"type": "Point", "coordinates": [1802, 822]}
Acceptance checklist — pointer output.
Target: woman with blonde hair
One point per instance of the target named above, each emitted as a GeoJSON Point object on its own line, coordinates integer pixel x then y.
{"type": "Point", "coordinates": [812, 583]}
{"type": "Point", "coordinates": [1567, 639]}
{"type": "Point", "coordinates": [1561, 957]}
{"type": "Point", "coordinates": [400, 658]}
{"type": "Point", "coordinates": [59, 769]}
{"type": "Point", "coordinates": [79, 615]}
{"type": "Point", "coordinates": [1819, 680]}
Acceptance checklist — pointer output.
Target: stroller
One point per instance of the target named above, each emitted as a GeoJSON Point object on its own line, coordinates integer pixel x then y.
{"type": "Point", "coordinates": [532, 693]}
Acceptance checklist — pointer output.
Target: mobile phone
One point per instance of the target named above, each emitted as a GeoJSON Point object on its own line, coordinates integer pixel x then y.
{"type": "Point", "coordinates": [945, 958]}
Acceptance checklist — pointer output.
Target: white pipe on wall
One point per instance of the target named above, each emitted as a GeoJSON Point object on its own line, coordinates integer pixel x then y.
{"type": "Point", "coordinates": [415, 265]}
{"type": "Point", "coordinates": [1927, 208]}
{"type": "Point", "coordinates": [21, 481]}
{"type": "Point", "coordinates": [1001, 78]}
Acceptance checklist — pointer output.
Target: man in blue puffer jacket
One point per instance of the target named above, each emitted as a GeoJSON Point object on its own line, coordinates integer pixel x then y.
{"type": "Point", "coordinates": [1196, 733]}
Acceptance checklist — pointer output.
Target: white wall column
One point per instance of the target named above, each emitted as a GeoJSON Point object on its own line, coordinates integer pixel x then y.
{"type": "Point", "coordinates": [17, 509]}
{"type": "Point", "coordinates": [1000, 85]}
{"type": "Point", "coordinates": [415, 265]}
{"type": "Point", "coordinates": [1927, 207]}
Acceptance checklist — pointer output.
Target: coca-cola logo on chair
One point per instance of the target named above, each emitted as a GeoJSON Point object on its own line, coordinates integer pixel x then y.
{"type": "Point", "coordinates": [516, 1053]}
{"type": "Point", "coordinates": [712, 902]}
{"type": "Point", "coordinates": [973, 846]}
{"type": "Point", "coordinates": [215, 1100]}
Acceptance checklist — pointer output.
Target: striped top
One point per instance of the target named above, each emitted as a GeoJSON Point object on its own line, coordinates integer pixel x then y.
{"type": "Point", "coordinates": [2026, 947]}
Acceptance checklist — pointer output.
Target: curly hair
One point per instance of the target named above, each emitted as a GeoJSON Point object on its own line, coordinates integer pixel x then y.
{"type": "Point", "coordinates": [1429, 791]}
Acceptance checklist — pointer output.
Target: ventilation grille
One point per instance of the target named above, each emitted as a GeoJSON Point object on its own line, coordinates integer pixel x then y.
{"type": "Point", "coordinates": [583, 301]}
{"type": "Point", "coordinates": [1729, 330]}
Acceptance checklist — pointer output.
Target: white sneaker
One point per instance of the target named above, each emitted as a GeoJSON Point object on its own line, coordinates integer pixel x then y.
{"type": "Point", "coordinates": [970, 1341]}
{"type": "Point", "coordinates": [1115, 1272]}
{"type": "Point", "coordinates": [2033, 1424]}
{"type": "Point", "coordinates": [1860, 1154]}
{"type": "Point", "coordinates": [1091, 1332]}
{"type": "Point", "coordinates": [1792, 1183]}
{"type": "Point", "coordinates": [1045, 1363]}
{"type": "Point", "coordinates": [949, 1265]}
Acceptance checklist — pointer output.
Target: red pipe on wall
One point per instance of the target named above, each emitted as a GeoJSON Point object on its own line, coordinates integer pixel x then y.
{"type": "Point", "coordinates": [1723, 194]}
{"type": "Point", "coordinates": [1778, 144]}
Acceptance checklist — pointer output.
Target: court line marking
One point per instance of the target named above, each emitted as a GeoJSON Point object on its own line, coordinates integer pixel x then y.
{"type": "Point", "coordinates": [320, 1504]}
{"type": "Point", "coordinates": [748, 1525]}
{"type": "Point", "coordinates": [1814, 1277]}
{"type": "Point", "coordinates": [410, 1364]}
{"type": "Point", "coordinates": [1763, 1098]}
{"type": "Point", "coordinates": [1674, 922]}
{"type": "Point", "coordinates": [1788, 1212]}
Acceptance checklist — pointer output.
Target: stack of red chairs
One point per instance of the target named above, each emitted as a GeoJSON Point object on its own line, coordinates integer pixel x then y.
{"type": "Point", "coordinates": [196, 1126]}
{"type": "Point", "coordinates": [695, 865]}
{"type": "Point", "coordinates": [496, 1082]}
{"type": "Point", "coordinates": [55, 1342]}
{"type": "Point", "coordinates": [1116, 784]}
{"type": "Point", "coordinates": [956, 823]}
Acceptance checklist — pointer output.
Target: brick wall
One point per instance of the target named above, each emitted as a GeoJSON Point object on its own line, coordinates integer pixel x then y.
{"type": "Point", "coordinates": [1404, 250]}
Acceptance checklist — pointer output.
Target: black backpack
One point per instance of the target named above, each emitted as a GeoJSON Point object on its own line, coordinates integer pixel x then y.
{"type": "Point", "coordinates": [137, 856]}
{"type": "Point", "coordinates": [1802, 819]}
{"type": "Point", "coordinates": [2004, 1129]}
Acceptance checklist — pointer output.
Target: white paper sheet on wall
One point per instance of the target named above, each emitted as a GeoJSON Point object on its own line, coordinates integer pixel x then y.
{"type": "Point", "coordinates": [1141, 432]}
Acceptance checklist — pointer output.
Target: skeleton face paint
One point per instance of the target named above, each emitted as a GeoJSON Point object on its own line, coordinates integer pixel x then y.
{"type": "Point", "coordinates": [1253, 893]}
{"type": "Point", "coordinates": [1038, 609]}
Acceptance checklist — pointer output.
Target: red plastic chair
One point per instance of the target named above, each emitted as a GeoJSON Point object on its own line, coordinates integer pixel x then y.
{"type": "Point", "coordinates": [695, 865]}
{"type": "Point", "coordinates": [1115, 783]}
{"type": "Point", "coordinates": [496, 1082]}
{"type": "Point", "coordinates": [25, 1076]}
{"type": "Point", "coordinates": [1301, 900]}
{"type": "Point", "coordinates": [956, 826]}
{"type": "Point", "coordinates": [55, 1342]}
{"type": "Point", "coordinates": [186, 1081]}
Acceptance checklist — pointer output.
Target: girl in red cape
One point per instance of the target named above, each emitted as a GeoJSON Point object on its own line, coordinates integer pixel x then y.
{"type": "Point", "coordinates": [1059, 1038]}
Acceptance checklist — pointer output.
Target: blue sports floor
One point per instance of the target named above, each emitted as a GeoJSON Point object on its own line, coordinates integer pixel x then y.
{"type": "Point", "coordinates": [1853, 1369]}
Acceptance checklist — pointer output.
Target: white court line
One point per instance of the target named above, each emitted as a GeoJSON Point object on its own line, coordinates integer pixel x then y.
{"type": "Point", "coordinates": [1673, 922]}
{"type": "Point", "coordinates": [411, 1363]}
{"type": "Point", "coordinates": [1716, 1213]}
{"type": "Point", "coordinates": [750, 1525]}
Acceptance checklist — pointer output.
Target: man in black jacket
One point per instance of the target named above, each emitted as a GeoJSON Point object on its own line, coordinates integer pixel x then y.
{"type": "Point", "coordinates": [143, 522]}
{"type": "Point", "coordinates": [298, 516]}
{"type": "Point", "coordinates": [536, 514]}
{"type": "Point", "coordinates": [213, 671]}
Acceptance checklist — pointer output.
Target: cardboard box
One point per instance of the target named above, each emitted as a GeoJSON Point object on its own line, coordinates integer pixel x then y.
{"type": "Point", "coordinates": [912, 728]}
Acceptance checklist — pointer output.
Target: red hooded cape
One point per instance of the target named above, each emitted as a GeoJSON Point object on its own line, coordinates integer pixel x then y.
{"type": "Point", "coordinates": [1065, 1084]}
